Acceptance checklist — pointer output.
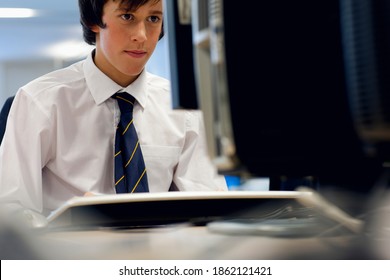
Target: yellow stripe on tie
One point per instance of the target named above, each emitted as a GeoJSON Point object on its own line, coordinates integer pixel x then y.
{"type": "Point", "coordinates": [127, 127]}
{"type": "Point", "coordinates": [117, 182]}
{"type": "Point", "coordinates": [139, 180]}
{"type": "Point", "coordinates": [124, 99]}
{"type": "Point", "coordinates": [132, 154]}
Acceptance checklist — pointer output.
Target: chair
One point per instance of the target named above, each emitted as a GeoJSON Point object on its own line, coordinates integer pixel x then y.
{"type": "Point", "coordinates": [4, 115]}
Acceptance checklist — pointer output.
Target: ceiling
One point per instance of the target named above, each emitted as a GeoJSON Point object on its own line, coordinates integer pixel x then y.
{"type": "Point", "coordinates": [54, 33]}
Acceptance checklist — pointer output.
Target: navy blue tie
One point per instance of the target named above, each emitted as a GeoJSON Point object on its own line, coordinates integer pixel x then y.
{"type": "Point", "coordinates": [130, 171]}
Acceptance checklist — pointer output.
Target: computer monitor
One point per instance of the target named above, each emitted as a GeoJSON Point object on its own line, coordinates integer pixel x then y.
{"type": "Point", "coordinates": [178, 30]}
{"type": "Point", "coordinates": [272, 83]}
{"type": "Point", "coordinates": [366, 40]}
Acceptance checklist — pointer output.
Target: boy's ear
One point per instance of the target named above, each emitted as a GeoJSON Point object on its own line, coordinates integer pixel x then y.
{"type": "Point", "coordinates": [94, 28]}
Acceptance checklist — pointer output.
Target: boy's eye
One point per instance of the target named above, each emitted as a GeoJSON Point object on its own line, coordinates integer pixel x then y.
{"type": "Point", "coordinates": [154, 19]}
{"type": "Point", "coordinates": [126, 16]}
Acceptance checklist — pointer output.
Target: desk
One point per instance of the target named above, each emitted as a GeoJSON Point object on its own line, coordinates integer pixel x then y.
{"type": "Point", "coordinates": [191, 243]}
{"type": "Point", "coordinates": [187, 241]}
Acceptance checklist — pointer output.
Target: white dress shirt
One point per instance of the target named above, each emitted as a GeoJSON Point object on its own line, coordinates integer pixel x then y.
{"type": "Point", "coordinates": [59, 140]}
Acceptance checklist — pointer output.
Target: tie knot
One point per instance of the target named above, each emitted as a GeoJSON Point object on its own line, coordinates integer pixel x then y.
{"type": "Point", "coordinates": [125, 101]}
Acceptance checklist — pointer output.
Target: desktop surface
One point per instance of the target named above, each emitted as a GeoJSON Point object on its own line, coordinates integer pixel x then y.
{"type": "Point", "coordinates": [287, 230]}
{"type": "Point", "coordinates": [188, 242]}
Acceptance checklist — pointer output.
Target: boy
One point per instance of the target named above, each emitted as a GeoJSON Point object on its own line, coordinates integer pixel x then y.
{"type": "Point", "coordinates": [60, 135]}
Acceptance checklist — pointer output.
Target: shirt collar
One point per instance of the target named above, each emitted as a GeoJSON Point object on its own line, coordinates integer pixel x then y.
{"type": "Point", "coordinates": [138, 89]}
{"type": "Point", "coordinates": [102, 87]}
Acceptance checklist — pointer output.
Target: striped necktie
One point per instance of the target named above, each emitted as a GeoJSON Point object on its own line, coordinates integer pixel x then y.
{"type": "Point", "coordinates": [130, 171]}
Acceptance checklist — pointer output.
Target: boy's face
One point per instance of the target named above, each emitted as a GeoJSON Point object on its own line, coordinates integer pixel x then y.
{"type": "Point", "coordinates": [125, 45]}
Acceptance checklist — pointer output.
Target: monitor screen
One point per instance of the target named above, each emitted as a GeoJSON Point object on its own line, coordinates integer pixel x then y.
{"type": "Point", "coordinates": [288, 98]}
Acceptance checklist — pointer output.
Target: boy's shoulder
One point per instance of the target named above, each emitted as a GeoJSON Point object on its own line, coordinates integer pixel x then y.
{"type": "Point", "coordinates": [56, 78]}
{"type": "Point", "coordinates": [158, 81]}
